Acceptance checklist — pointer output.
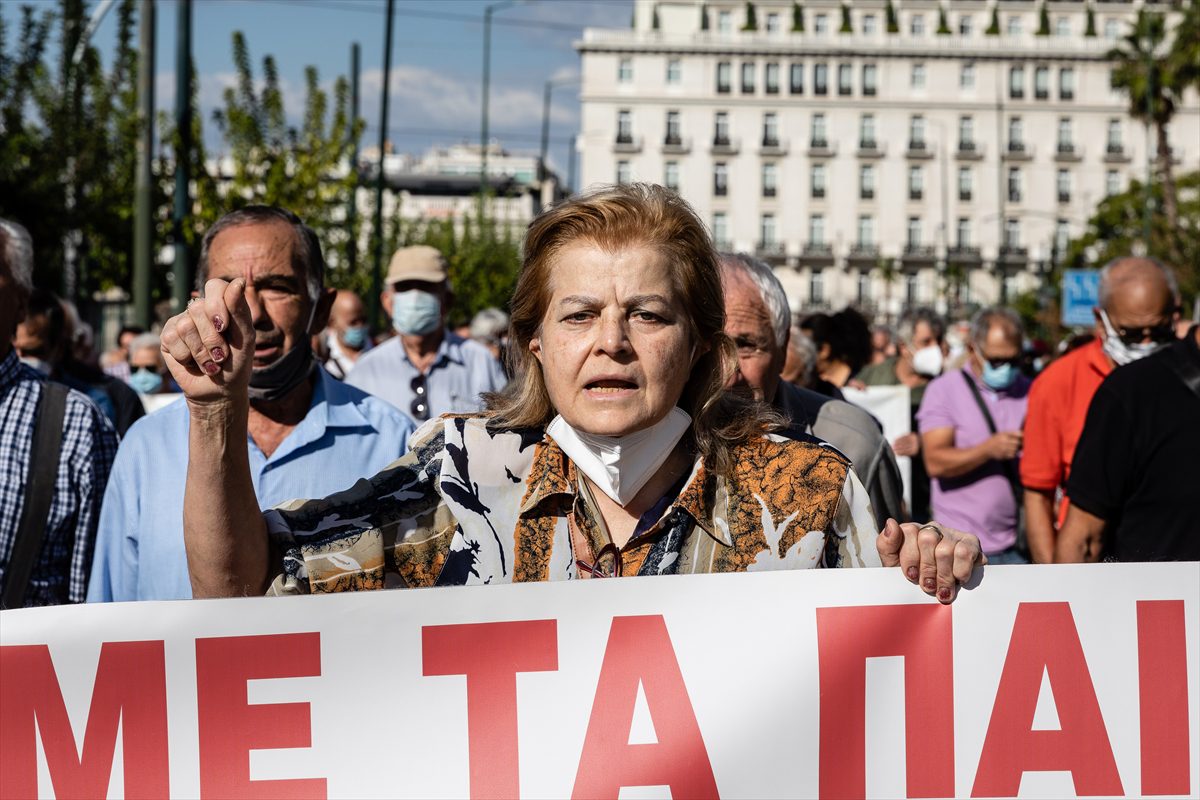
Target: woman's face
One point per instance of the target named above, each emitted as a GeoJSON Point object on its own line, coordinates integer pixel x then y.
{"type": "Point", "coordinates": [614, 343]}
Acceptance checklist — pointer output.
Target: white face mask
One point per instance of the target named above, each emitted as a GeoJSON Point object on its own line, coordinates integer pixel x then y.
{"type": "Point", "coordinates": [1121, 353]}
{"type": "Point", "coordinates": [621, 465]}
{"type": "Point", "coordinates": [928, 360]}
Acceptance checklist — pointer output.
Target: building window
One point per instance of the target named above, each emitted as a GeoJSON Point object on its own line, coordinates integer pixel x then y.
{"type": "Point", "coordinates": [816, 283]}
{"type": "Point", "coordinates": [748, 77]}
{"type": "Point", "coordinates": [966, 78]}
{"type": "Point", "coordinates": [1112, 182]}
{"type": "Point", "coordinates": [623, 172]}
{"type": "Point", "coordinates": [918, 76]}
{"type": "Point", "coordinates": [766, 230]}
{"type": "Point", "coordinates": [869, 24]}
{"type": "Point", "coordinates": [866, 231]}
{"type": "Point", "coordinates": [772, 23]}
{"type": "Point", "coordinates": [916, 183]}
{"type": "Point", "coordinates": [962, 233]}
{"type": "Point", "coordinates": [1063, 183]}
{"type": "Point", "coordinates": [845, 78]}
{"type": "Point", "coordinates": [1014, 185]}
{"type": "Point", "coordinates": [964, 183]}
{"type": "Point", "coordinates": [1012, 234]}
{"type": "Point", "coordinates": [720, 231]}
{"type": "Point", "coordinates": [721, 128]}
{"type": "Point", "coordinates": [916, 25]}
{"type": "Point", "coordinates": [821, 24]}
{"type": "Point", "coordinates": [870, 75]}
{"type": "Point", "coordinates": [769, 179]}
{"type": "Point", "coordinates": [864, 288]}
{"type": "Point", "coordinates": [725, 22]}
{"type": "Point", "coordinates": [1016, 82]}
{"type": "Point", "coordinates": [770, 129]}
{"type": "Point", "coordinates": [1041, 83]}
{"type": "Point", "coordinates": [673, 134]}
{"type": "Point", "coordinates": [866, 182]}
{"type": "Point", "coordinates": [913, 240]}
{"type": "Point", "coordinates": [916, 133]}
{"type": "Point", "coordinates": [866, 132]}
{"type": "Point", "coordinates": [819, 140]}
{"type": "Point", "coordinates": [1114, 136]}
{"type": "Point", "coordinates": [771, 78]}
{"type": "Point", "coordinates": [625, 70]}
{"type": "Point", "coordinates": [624, 127]}
{"type": "Point", "coordinates": [720, 179]}
{"type": "Point", "coordinates": [1016, 141]}
{"type": "Point", "coordinates": [674, 71]}
{"type": "Point", "coordinates": [671, 175]}
{"type": "Point", "coordinates": [1062, 27]}
{"type": "Point", "coordinates": [817, 174]}
{"type": "Point", "coordinates": [820, 79]}
{"type": "Point", "coordinates": [1066, 84]}
{"type": "Point", "coordinates": [1112, 29]}
{"type": "Point", "coordinates": [816, 230]}
{"type": "Point", "coordinates": [724, 77]}
{"type": "Point", "coordinates": [796, 82]}
{"type": "Point", "coordinates": [1065, 143]}
{"type": "Point", "coordinates": [966, 133]}
{"type": "Point", "coordinates": [1062, 238]}
{"type": "Point", "coordinates": [1014, 26]}
{"type": "Point", "coordinates": [964, 25]}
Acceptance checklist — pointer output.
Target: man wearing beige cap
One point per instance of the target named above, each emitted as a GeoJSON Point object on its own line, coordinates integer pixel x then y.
{"type": "Point", "coordinates": [425, 370]}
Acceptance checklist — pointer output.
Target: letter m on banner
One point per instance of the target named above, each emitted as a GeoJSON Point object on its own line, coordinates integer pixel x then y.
{"type": "Point", "coordinates": [846, 638]}
{"type": "Point", "coordinates": [130, 689]}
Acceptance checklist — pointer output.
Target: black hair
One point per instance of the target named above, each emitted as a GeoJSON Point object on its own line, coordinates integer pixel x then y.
{"type": "Point", "coordinates": [846, 333]}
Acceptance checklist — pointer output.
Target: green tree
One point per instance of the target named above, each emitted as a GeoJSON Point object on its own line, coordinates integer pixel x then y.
{"type": "Point", "coordinates": [847, 27]}
{"type": "Point", "coordinates": [1090, 28]}
{"type": "Point", "coordinates": [993, 28]}
{"type": "Point", "coordinates": [704, 17]}
{"type": "Point", "coordinates": [943, 28]}
{"type": "Point", "coordinates": [1043, 28]}
{"type": "Point", "coordinates": [893, 22]}
{"type": "Point", "coordinates": [797, 18]}
{"type": "Point", "coordinates": [751, 18]}
{"type": "Point", "coordinates": [1144, 70]}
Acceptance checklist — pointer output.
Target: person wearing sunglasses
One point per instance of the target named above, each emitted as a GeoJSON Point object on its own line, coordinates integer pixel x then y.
{"type": "Point", "coordinates": [1134, 317]}
{"type": "Point", "coordinates": [970, 423]}
{"type": "Point", "coordinates": [425, 370]}
{"type": "Point", "coordinates": [1133, 480]}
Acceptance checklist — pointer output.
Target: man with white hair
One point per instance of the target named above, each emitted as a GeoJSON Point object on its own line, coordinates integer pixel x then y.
{"type": "Point", "coordinates": [758, 320]}
{"type": "Point", "coordinates": [56, 450]}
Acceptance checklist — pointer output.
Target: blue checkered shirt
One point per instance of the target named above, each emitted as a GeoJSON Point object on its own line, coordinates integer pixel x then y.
{"type": "Point", "coordinates": [88, 447]}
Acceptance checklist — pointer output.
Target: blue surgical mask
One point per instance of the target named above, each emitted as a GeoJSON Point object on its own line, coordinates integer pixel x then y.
{"type": "Point", "coordinates": [355, 338]}
{"type": "Point", "coordinates": [145, 381]}
{"type": "Point", "coordinates": [1000, 377]}
{"type": "Point", "coordinates": [416, 312]}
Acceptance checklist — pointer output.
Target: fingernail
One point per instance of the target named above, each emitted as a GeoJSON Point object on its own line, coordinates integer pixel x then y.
{"type": "Point", "coordinates": [929, 584]}
{"type": "Point", "coordinates": [912, 574]}
{"type": "Point", "coordinates": [944, 594]}
{"type": "Point", "coordinates": [219, 324]}
{"type": "Point", "coordinates": [218, 354]}
{"type": "Point", "coordinates": [211, 367]}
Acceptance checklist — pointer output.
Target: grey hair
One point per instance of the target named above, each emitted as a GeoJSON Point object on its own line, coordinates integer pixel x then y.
{"type": "Point", "coordinates": [306, 256]}
{"type": "Point", "coordinates": [1106, 287]}
{"type": "Point", "coordinates": [17, 252]}
{"type": "Point", "coordinates": [935, 321]}
{"type": "Point", "coordinates": [773, 295]}
{"type": "Point", "coordinates": [489, 325]}
{"type": "Point", "coordinates": [144, 341]}
{"type": "Point", "coordinates": [985, 318]}
{"type": "Point", "coordinates": [806, 350]}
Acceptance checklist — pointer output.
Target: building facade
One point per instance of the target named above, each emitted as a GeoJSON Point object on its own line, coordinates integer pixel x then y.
{"type": "Point", "coordinates": [883, 155]}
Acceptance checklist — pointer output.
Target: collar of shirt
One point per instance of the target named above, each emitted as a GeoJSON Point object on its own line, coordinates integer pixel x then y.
{"type": "Point", "coordinates": [449, 349]}
{"type": "Point", "coordinates": [332, 407]}
{"type": "Point", "coordinates": [10, 368]}
{"type": "Point", "coordinates": [1096, 358]}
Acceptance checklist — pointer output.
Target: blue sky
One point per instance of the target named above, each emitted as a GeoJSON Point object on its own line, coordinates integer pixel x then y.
{"type": "Point", "coordinates": [436, 60]}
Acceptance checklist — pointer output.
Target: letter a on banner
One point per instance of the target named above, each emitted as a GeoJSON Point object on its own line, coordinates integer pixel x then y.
{"type": "Point", "coordinates": [1044, 640]}
{"type": "Point", "coordinates": [491, 654]}
{"type": "Point", "coordinates": [846, 638]}
{"type": "Point", "coordinates": [639, 651]}
{"type": "Point", "coordinates": [130, 688]}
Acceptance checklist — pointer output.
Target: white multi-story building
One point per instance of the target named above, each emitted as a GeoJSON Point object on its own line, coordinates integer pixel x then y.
{"type": "Point", "coordinates": [887, 155]}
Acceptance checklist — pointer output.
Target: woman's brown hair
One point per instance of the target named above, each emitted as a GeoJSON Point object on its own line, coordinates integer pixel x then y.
{"type": "Point", "coordinates": [614, 218]}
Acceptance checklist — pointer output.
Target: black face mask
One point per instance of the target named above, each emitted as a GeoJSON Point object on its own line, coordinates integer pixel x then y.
{"type": "Point", "coordinates": [274, 381]}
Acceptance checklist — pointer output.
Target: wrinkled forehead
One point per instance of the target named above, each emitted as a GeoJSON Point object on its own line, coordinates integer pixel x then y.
{"type": "Point", "coordinates": [583, 265]}
{"type": "Point", "coordinates": [253, 249]}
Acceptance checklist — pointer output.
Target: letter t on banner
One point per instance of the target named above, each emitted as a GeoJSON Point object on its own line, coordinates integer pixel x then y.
{"type": "Point", "coordinates": [491, 654]}
{"type": "Point", "coordinates": [846, 638]}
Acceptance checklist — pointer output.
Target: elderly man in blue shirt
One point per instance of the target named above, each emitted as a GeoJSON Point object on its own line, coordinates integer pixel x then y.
{"type": "Point", "coordinates": [425, 370]}
{"type": "Point", "coordinates": [309, 434]}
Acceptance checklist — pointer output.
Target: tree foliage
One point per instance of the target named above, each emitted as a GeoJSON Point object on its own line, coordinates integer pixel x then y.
{"type": "Point", "coordinates": [797, 18]}
{"type": "Point", "coordinates": [893, 22]}
{"type": "Point", "coordinates": [846, 27]}
{"type": "Point", "coordinates": [943, 27]}
{"type": "Point", "coordinates": [751, 18]}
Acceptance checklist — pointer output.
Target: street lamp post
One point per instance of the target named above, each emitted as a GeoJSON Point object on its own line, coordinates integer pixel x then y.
{"type": "Point", "coordinates": [377, 227]}
{"type": "Point", "coordinates": [487, 74]}
{"type": "Point", "coordinates": [550, 86]}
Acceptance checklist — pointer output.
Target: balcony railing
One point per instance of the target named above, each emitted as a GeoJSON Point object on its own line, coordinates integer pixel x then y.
{"type": "Point", "coordinates": [915, 194]}
{"type": "Point", "coordinates": [918, 252]}
{"type": "Point", "coordinates": [866, 194]}
{"type": "Point", "coordinates": [818, 250]}
{"type": "Point", "coordinates": [818, 192]}
{"type": "Point", "coordinates": [963, 253]}
{"type": "Point", "coordinates": [966, 146]}
{"type": "Point", "coordinates": [673, 139]}
{"type": "Point", "coordinates": [769, 191]}
{"type": "Point", "coordinates": [1014, 196]}
{"type": "Point", "coordinates": [724, 145]}
{"type": "Point", "coordinates": [1066, 148]}
{"type": "Point", "coordinates": [1042, 94]}
{"type": "Point", "coordinates": [1064, 197]}
{"type": "Point", "coordinates": [769, 247]}
{"type": "Point", "coordinates": [677, 144]}
{"type": "Point", "coordinates": [1015, 146]}
{"type": "Point", "coordinates": [864, 252]}
{"type": "Point", "coordinates": [1014, 254]}
{"type": "Point", "coordinates": [627, 143]}
{"type": "Point", "coordinates": [964, 196]}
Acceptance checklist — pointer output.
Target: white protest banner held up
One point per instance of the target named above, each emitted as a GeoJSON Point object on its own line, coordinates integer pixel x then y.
{"type": "Point", "coordinates": [1039, 682]}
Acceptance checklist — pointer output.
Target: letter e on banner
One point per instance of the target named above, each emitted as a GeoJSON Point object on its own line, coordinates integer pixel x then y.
{"type": "Point", "coordinates": [1044, 640]}
{"type": "Point", "coordinates": [230, 727]}
{"type": "Point", "coordinates": [846, 638]}
{"type": "Point", "coordinates": [130, 689]}
{"type": "Point", "coordinates": [491, 654]}
{"type": "Point", "coordinates": [639, 651]}
{"type": "Point", "coordinates": [1163, 696]}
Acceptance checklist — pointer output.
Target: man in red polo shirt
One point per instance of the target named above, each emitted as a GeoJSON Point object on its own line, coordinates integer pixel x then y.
{"type": "Point", "coordinates": [1134, 292]}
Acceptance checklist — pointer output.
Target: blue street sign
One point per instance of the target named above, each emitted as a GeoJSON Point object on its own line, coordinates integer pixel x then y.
{"type": "Point", "coordinates": [1080, 294]}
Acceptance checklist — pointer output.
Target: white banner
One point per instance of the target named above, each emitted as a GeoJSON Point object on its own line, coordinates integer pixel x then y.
{"type": "Point", "coordinates": [891, 405]}
{"type": "Point", "coordinates": [1039, 682]}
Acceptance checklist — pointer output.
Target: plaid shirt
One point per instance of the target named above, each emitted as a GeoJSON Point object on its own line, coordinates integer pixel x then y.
{"type": "Point", "coordinates": [89, 445]}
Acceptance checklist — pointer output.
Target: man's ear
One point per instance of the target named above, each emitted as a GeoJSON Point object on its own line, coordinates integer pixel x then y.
{"type": "Point", "coordinates": [385, 299]}
{"type": "Point", "coordinates": [324, 308]}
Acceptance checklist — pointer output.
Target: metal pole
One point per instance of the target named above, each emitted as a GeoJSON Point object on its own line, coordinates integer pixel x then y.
{"type": "Point", "coordinates": [545, 131]}
{"type": "Point", "coordinates": [1149, 204]}
{"type": "Point", "coordinates": [1000, 188]}
{"type": "Point", "coordinates": [352, 207]}
{"type": "Point", "coordinates": [183, 152]}
{"type": "Point", "coordinates": [571, 166]}
{"type": "Point", "coordinates": [483, 131]}
{"type": "Point", "coordinates": [377, 270]}
{"type": "Point", "coordinates": [143, 225]}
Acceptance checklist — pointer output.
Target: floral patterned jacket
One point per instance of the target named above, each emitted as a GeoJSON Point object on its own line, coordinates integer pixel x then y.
{"type": "Point", "coordinates": [469, 504]}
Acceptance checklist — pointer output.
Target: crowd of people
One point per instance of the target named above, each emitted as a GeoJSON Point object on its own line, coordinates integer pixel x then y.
{"type": "Point", "coordinates": [651, 407]}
